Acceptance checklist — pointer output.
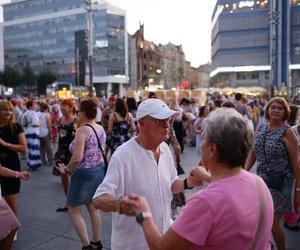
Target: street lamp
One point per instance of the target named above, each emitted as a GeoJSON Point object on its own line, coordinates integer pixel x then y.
{"type": "Point", "coordinates": [89, 10]}
{"type": "Point", "coordinates": [273, 19]}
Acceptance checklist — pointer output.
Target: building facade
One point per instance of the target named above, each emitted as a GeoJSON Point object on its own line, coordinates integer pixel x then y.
{"type": "Point", "coordinates": [254, 43]}
{"type": "Point", "coordinates": [173, 65]}
{"type": "Point", "coordinates": [41, 33]}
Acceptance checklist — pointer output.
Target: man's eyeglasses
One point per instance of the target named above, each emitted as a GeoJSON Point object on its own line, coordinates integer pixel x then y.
{"type": "Point", "coordinates": [160, 122]}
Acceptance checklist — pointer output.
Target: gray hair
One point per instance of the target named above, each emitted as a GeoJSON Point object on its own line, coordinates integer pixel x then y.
{"type": "Point", "coordinates": [227, 129]}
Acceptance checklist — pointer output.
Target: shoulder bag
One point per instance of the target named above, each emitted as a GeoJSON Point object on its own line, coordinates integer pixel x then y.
{"type": "Point", "coordinates": [261, 215]}
{"type": "Point", "coordinates": [99, 144]}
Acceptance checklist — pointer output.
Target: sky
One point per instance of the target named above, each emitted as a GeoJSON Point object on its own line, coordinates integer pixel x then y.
{"type": "Point", "coordinates": [180, 22]}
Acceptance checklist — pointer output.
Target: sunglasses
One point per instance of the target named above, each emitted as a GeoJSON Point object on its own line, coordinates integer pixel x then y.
{"type": "Point", "coordinates": [160, 122]}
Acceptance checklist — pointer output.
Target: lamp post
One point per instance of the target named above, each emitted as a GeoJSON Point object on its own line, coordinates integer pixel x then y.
{"type": "Point", "coordinates": [89, 10]}
{"type": "Point", "coordinates": [273, 19]}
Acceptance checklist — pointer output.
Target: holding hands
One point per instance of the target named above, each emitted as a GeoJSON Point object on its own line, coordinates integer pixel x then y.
{"type": "Point", "coordinates": [200, 173]}
{"type": "Point", "coordinates": [133, 205]}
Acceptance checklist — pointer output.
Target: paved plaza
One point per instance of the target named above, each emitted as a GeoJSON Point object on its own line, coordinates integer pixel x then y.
{"type": "Point", "coordinates": [45, 229]}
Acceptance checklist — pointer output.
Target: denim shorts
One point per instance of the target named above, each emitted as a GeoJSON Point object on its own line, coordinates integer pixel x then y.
{"type": "Point", "coordinates": [83, 185]}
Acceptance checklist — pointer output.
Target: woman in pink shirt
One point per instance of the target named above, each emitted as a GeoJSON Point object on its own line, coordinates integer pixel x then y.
{"type": "Point", "coordinates": [235, 211]}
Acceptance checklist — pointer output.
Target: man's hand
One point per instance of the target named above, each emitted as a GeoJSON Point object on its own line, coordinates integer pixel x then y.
{"type": "Point", "coordinates": [133, 205]}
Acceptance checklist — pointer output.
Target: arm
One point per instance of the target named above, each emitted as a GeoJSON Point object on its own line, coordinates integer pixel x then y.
{"type": "Point", "coordinates": [249, 112]}
{"type": "Point", "coordinates": [176, 147]}
{"type": "Point", "coordinates": [106, 202]}
{"type": "Point", "coordinates": [250, 160]}
{"type": "Point", "coordinates": [197, 126]}
{"type": "Point", "coordinates": [201, 173]}
{"type": "Point", "coordinates": [10, 173]}
{"type": "Point", "coordinates": [79, 142]}
{"type": "Point", "coordinates": [251, 156]}
{"type": "Point", "coordinates": [131, 122]}
{"type": "Point", "coordinates": [110, 124]}
{"type": "Point", "coordinates": [49, 122]}
{"type": "Point", "coordinates": [155, 239]}
{"type": "Point", "coordinates": [20, 147]}
{"type": "Point", "coordinates": [291, 143]}
{"type": "Point", "coordinates": [191, 181]}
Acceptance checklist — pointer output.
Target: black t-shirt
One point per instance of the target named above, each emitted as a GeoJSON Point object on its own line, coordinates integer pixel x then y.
{"type": "Point", "coordinates": [9, 158]}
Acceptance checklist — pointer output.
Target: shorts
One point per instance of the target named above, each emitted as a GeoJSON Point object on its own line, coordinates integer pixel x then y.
{"type": "Point", "coordinates": [9, 221]}
{"type": "Point", "coordinates": [83, 185]}
{"type": "Point", "coordinates": [10, 185]}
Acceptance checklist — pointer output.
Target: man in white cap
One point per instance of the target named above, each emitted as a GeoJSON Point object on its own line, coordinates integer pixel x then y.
{"type": "Point", "coordinates": [144, 165]}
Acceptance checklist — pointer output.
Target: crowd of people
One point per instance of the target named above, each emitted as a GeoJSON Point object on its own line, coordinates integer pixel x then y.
{"type": "Point", "coordinates": [115, 155]}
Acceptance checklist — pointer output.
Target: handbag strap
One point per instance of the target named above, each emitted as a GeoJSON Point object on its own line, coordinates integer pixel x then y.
{"type": "Point", "coordinates": [261, 215]}
{"type": "Point", "coordinates": [99, 144]}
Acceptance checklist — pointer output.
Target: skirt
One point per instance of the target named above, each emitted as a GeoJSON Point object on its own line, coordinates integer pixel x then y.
{"type": "Point", "coordinates": [83, 185]}
{"type": "Point", "coordinates": [9, 221]}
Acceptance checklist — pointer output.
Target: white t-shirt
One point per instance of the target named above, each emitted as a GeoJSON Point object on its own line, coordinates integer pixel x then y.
{"type": "Point", "coordinates": [132, 169]}
{"type": "Point", "coordinates": [178, 115]}
{"type": "Point", "coordinates": [33, 121]}
{"type": "Point", "coordinates": [98, 115]}
{"type": "Point", "coordinates": [43, 129]}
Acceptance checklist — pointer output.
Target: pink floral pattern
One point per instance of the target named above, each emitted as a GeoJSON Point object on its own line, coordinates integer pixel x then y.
{"type": "Point", "coordinates": [92, 156]}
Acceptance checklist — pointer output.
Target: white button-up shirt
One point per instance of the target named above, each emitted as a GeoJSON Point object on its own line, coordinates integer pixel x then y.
{"type": "Point", "coordinates": [133, 169]}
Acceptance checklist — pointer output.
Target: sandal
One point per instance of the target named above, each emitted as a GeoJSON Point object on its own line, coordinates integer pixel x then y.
{"type": "Point", "coordinates": [89, 247]}
{"type": "Point", "coordinates": [62, 209]}
{"type": "Point", "coordinates": [96, 245]}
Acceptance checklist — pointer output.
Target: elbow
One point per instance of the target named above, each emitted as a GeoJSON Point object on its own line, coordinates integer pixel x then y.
{"type": "Point", "coordinates": [23, 149]}
{"type": "Point", "coordinates": [76, 160]}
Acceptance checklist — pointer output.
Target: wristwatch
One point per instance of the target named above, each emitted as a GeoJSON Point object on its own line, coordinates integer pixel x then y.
{"type": "Point", "coordinates": [142, 216]}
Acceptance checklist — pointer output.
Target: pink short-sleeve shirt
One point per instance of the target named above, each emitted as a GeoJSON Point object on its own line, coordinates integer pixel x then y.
{"type": "Point", "coordinates": [225, 214]}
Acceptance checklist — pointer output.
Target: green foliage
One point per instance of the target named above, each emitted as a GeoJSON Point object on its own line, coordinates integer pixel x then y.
{"type": "Point", "coordinates": [28, 77]}
{"type": "Point", "coordinates": [10, 77]}
{"type": "Point", "coordinates": [45, 78]}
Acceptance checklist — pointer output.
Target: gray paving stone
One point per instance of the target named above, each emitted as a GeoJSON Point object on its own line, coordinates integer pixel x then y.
{"type": "Point", "coordinates": [44, 229]}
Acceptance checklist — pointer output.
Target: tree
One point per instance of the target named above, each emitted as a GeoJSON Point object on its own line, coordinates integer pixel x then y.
{"type": "Point", "coordinates": [28, 77]}
{"type": "Point", "coordinates": [45, 78]}
{"type": "Point", "coordinates": [10, 77]}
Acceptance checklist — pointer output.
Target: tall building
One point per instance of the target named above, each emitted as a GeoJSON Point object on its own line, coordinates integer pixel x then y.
{"type": "Point", "coordinates": [254, 43]}
{"type": "Point", "coordinates": [173, 65]}
{"type": "Point", "coordinates": [41, 33]}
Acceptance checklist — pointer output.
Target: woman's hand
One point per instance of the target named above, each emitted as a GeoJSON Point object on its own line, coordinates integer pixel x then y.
{"type": "Point", "coordinates": [24, 175]}
{"type": "Point", "coordinates": [134, 205]}
{"type": "Point", "coordinates": [61, 168]}
{"type": "Point", "coordinates": [201, 173]}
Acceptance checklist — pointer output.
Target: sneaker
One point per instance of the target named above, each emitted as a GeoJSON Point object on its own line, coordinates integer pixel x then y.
{"type": "Point", "coordinates": [62, 209]}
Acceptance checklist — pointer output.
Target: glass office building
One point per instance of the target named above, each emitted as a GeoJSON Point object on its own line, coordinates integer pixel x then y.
{"type": "Point", "coordinates": [249, 38]}
{"type": "Point", "coordinates": [41, 33]}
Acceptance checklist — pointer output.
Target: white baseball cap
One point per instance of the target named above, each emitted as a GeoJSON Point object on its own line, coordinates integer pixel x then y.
{"type": "Point", "coordinates": [155, 108]}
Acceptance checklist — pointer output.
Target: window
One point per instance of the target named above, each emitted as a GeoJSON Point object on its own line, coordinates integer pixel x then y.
{"type": "Point", "coordinates": [254, 75]}
{"type": "Point", "coordinates": [241, 76]}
